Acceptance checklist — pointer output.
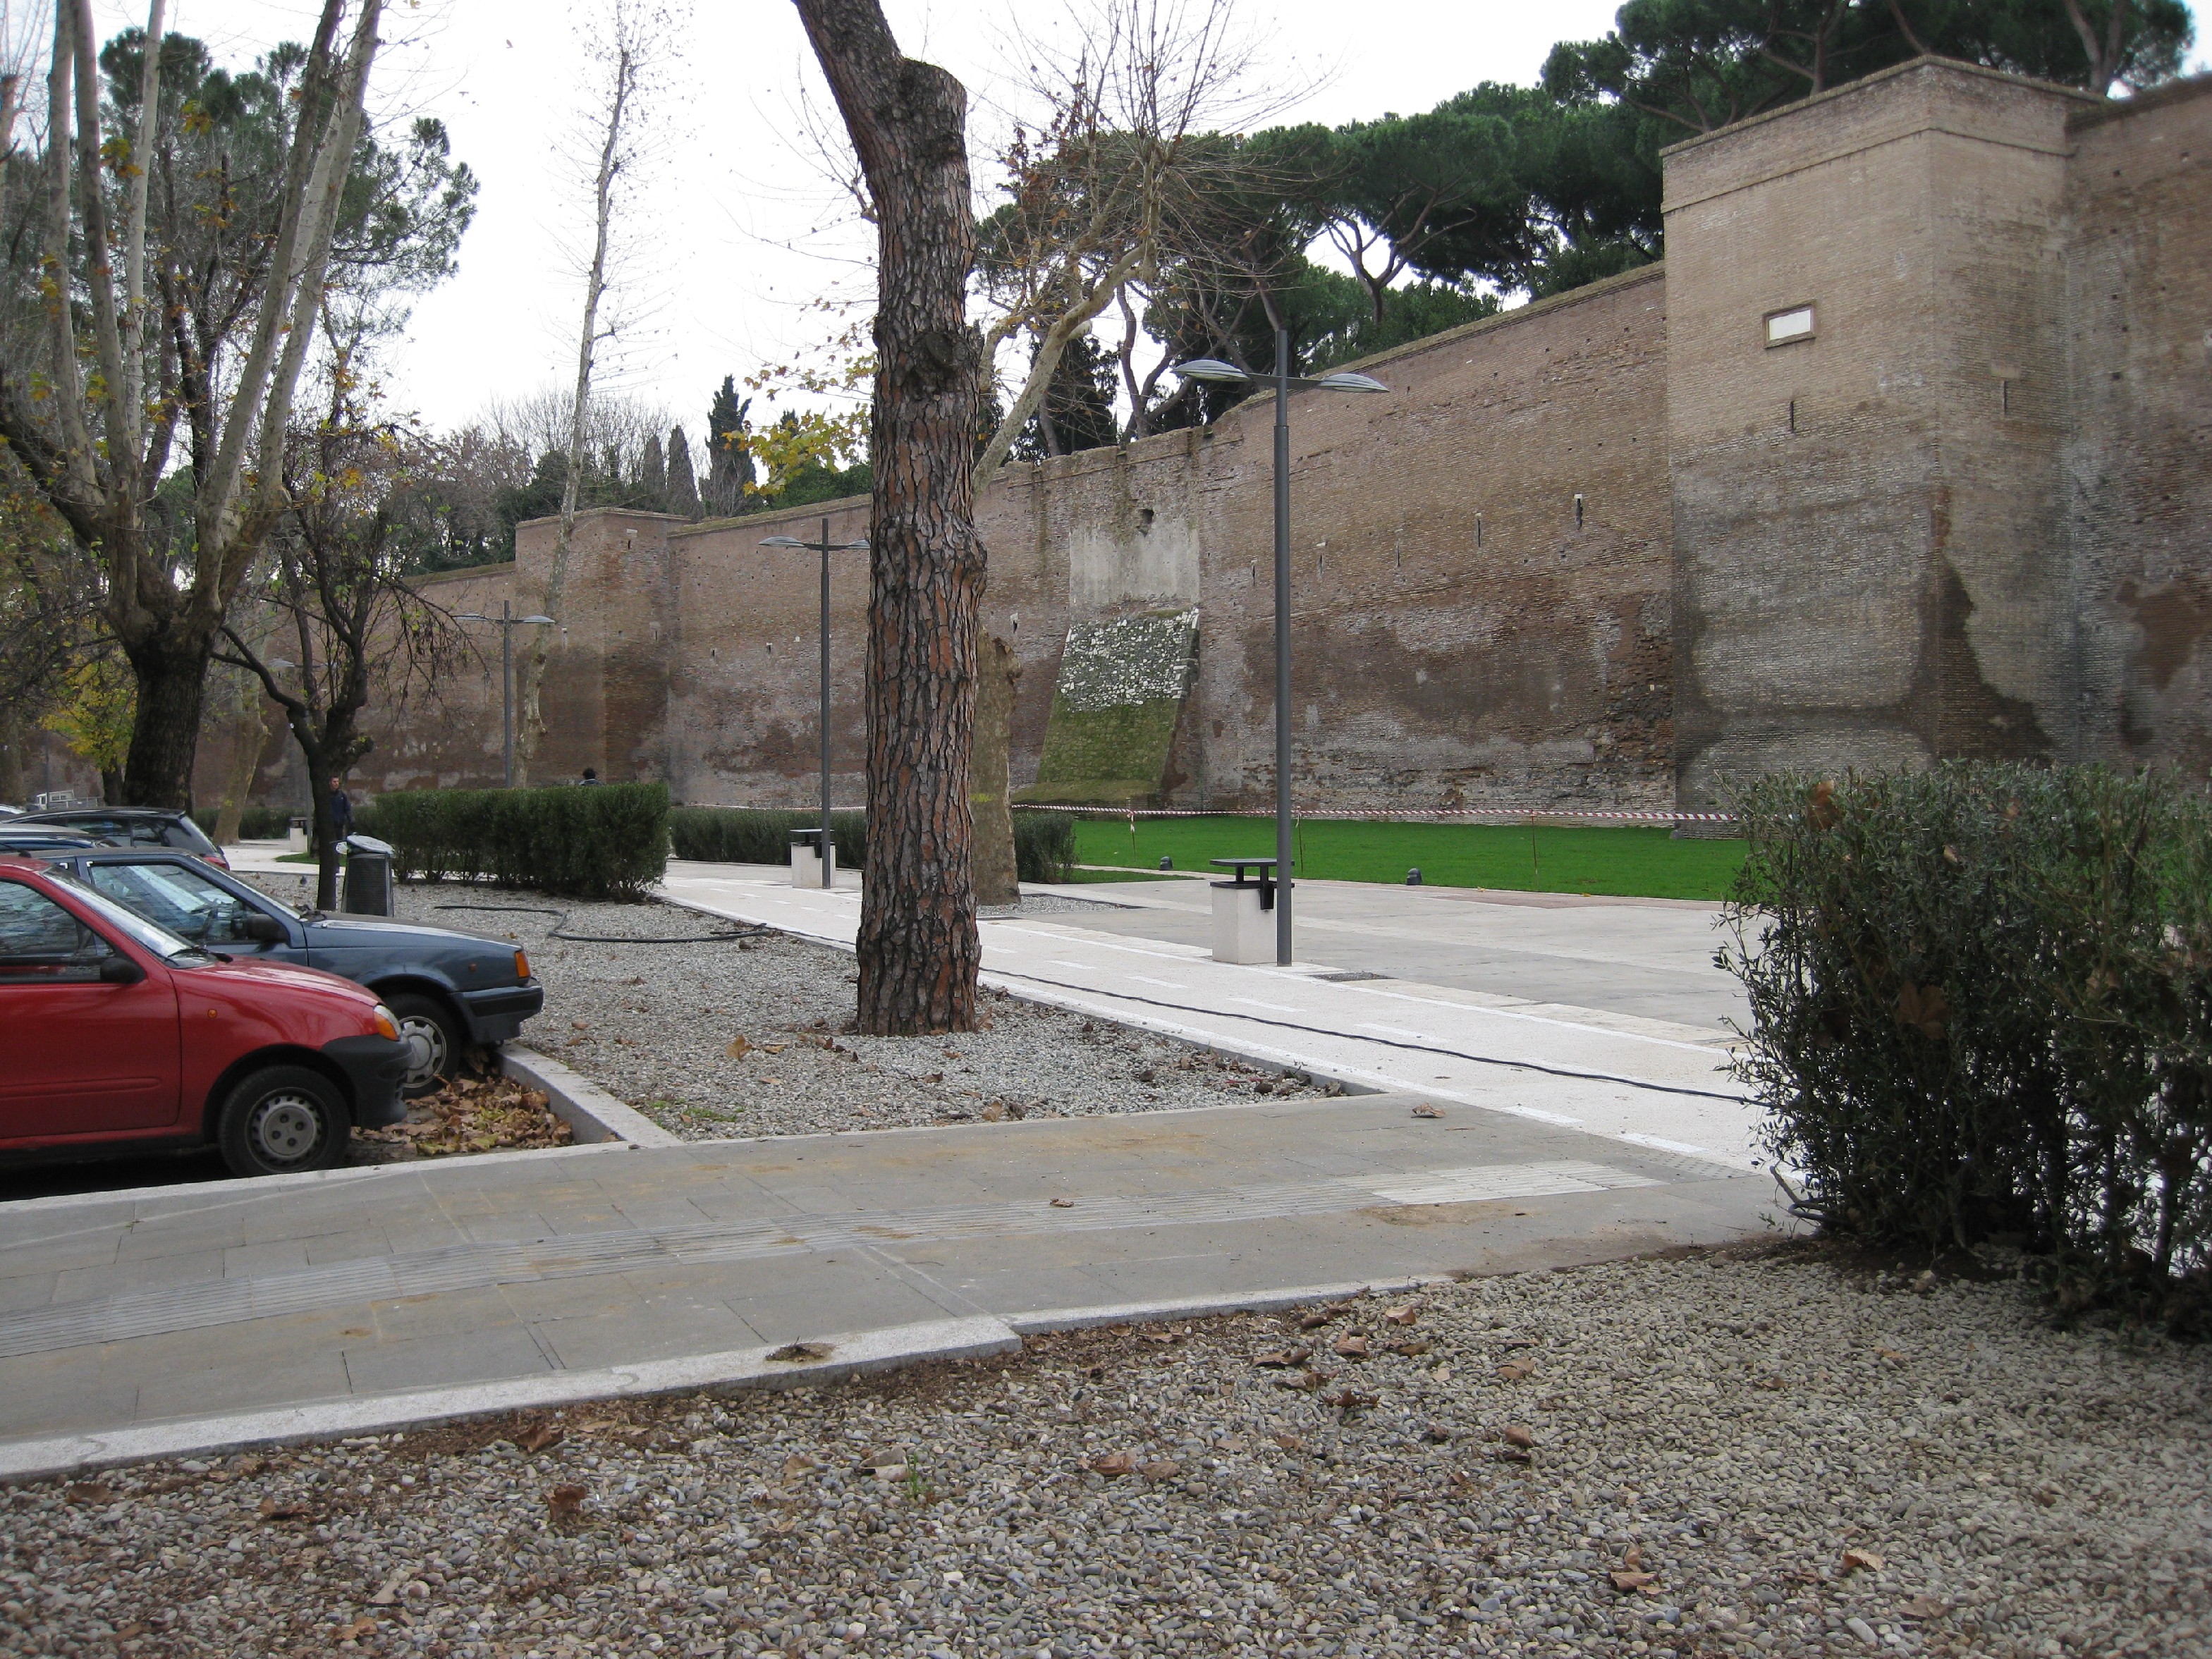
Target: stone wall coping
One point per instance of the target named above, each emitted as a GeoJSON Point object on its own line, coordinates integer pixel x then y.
{"type": "Point", "coordinates": [1896, 71]}
{"type": "Point", "coordinates": [464, 573]}
{"type": "Point", "coordinates": [2178, 91]}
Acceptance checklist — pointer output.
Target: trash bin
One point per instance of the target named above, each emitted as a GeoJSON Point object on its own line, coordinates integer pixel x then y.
{"type": "Point", "coordinates": [367, 876]}
{"type": "Point", "coordinates": [1244, 912]}
{"type": "Point", "coordinates": [806, 855]}
{"type": "Point", "coordinates": [297, 836]}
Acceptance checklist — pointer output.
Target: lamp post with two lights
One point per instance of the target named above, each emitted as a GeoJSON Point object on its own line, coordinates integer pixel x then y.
{"type": "Point", "coordinates": [1285, 383]}
{"type": "Point", "coordinates": [825, 547]}
{"type": "Point", "coordinates": [507, 622]}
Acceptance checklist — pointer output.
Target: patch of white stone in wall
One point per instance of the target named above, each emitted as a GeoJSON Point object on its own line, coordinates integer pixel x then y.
{"type": "Point", "coordinates": [1112, 664]}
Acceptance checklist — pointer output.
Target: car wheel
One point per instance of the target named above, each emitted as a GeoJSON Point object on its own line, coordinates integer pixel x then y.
{"type": "Point", "coordinates": [434, 1040]}
{"type": "Point", "coordinates": [281, 1119]}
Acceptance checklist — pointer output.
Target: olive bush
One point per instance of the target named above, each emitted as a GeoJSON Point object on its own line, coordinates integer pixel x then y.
{"type": "Point", "coordinates": [1982, 1006]}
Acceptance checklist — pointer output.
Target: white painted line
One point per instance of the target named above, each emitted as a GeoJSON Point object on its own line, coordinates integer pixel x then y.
{"type": "Point", "coordinates": [1255, 1002]}
{"type": "Point", "coordinates": [1165, 984]}
{"type": "Point", "coordinates": [1395, 1030]}
{"type": "Point", "coordinates": [850, 1355]}
{"type": "Point", "coordinates": [1659, 1145]}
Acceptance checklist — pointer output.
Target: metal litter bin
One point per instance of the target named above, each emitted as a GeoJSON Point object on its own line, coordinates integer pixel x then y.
{"type": "Point", "coordinates": [297, 834]}
{"type": "Point", "coordinates": [367, 876]}
{"type": "Point", "coordinates": [807, 854]}
{"type": "Point", "coordinates": [1244, 912]}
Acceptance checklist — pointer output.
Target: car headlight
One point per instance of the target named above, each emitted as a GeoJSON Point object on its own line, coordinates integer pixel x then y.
{"type": "Point", "coordinates": [522, 964]}
{"type": "Point", "coordinates": [385, 1025]}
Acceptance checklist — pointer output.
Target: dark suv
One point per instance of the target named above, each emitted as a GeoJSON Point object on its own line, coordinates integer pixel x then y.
{"type": "Point", "coordinates": [446, 988]}
{"type": "Point", "coordinates": [135, 826]}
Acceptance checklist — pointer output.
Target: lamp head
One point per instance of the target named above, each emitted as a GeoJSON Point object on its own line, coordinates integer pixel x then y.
{"type": "Point", "coordinates": [783, 541]}
{"type": "Point", "coordinates": [1212, 369]}
{"type": "Point", "coordinates": [1346, 382]}
{"type": "Point", "coordinates": [546, 621]}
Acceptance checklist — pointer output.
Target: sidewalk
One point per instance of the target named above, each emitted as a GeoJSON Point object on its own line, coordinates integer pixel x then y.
{"type": "Point", "coordinates": [1651, 1082]}
{"type": "Point", "coordinates": [173, 1320]}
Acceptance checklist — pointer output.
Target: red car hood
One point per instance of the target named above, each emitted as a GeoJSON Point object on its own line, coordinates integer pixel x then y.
{"type": "Point", "coordinates": [248, 974]}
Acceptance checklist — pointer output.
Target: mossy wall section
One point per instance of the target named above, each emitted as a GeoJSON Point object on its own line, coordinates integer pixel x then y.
{"type": "Point", "coordinates": [1114, 711]}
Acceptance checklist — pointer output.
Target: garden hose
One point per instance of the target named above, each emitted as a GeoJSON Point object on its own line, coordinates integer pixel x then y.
{"type": "Point", "coordinates": [559, 930]}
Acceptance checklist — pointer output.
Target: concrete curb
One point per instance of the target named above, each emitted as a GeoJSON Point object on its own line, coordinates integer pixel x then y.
{"type": "Point", "coordinates": [590, 1111]}
{"type": "Point", "coordinates": [851, 1355]}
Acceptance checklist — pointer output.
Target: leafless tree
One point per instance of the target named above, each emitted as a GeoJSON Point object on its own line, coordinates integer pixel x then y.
{"type": "Point", "coordinates": [1120, 173]}
{"type": "Point", "coordinates": [630, 54]}
{"type": "Point", "coordinates": [336, 592]}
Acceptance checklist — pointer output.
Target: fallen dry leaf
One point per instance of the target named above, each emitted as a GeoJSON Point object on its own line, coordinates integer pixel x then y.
{"type": "Point", "coordinates": [1351, 1347]}
{"type": "Point", "coordinates": [1314, 1321]}
{"type": "Point", "coordinates": [1630, 1579]}
{"type": "Point", "coordinates": [540, 1437]}
{"type": "Point", "coordinates": [739, 1049]}
{"type": "Point", "coordinates": [1773, 1384]}
{"type": "Point", "coordinates": [1923, 1606]}
{"type": "Point", "coordinates": [1283, 1358]}
{"type": "Point", "coordinates": [792, 1353]}
{"type": "Point", "coordinates": [1889, 1356]}
{"type": "Point", "coordinates": [1516, 1370]}
{"type": "Point", "coordinates": [798, 1463]}
{"type": "Point", "coordinates": [88, 1491]}
{"type": "Point", "coordinates": [360, 1627]}
{"type": "Point", "coordinates": [1516, 1434]}
{"type": "Point", "coordinates": [1162, 1470]}
{"type": "Point", "coordinates": [1156, 1336]}
{"type": "Point", "coordinates": [1417, 1345]}
{"type": "Point", "coordinates": [1308, 1379]}
{"type": "Point", "coordinates": [1633, 1556]}
{"type": "Point", "coordinates": [1427, 1110]}
{"type": "Point", "coordinates": [1290, 1442]}
{"type": "Point", "coordinates": [1063, 1203]}
{"type": "Point", "coordinates": [1349, 1399]}
{"type": "Point", "coordinates": [1862, 1561]}
{"type": "Point", "coordinates": [1404, 1315]}
{"type": "Point", "coordinates": [564, 1501]}
{"type": "Point", "coordinates": [283, 1509]}
{"type": "Point", "coordinates": [1114, 1464]}
{"type": "Point", "coordinates": [390, 1587]}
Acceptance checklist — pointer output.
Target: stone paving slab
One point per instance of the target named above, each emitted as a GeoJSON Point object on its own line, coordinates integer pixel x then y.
{"type": "Point", "coordinates": [506, 1271]}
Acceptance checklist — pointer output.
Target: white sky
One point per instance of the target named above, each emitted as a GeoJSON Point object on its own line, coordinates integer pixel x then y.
{"type": "Point", "coordinates": [735, 227]}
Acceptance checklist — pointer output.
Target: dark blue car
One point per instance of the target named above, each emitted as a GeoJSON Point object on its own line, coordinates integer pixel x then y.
{"type": "Point", "coordinates": [447, 989]}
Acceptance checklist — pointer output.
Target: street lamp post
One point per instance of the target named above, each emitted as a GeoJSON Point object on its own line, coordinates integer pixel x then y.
{"type": "Point", "coordinates": [507, 622]}
{"type": "Point", "coordinates": [1285, 383]}
{"type": "Point", "coordinates": [825, 547]}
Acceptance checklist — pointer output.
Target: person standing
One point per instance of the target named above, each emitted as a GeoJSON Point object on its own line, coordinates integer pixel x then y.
{"type": "Point", "coordinates": [591, 775]}
{"type": "Point", "coordinates": [341, 811]}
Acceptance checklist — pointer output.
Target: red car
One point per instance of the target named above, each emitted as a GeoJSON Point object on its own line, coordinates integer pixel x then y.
{"type": "Point", "coordinates": [116, 1035]}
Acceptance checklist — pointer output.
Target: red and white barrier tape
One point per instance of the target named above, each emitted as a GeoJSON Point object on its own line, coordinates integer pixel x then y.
{"type": "Point", "coordinates": [1401, 812]}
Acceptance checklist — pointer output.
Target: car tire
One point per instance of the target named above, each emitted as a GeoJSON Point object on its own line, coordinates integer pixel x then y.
{"type": "Point", "coordinates": [429, 1029]}
{"type": "Point", "coordinates": [281, 1119]}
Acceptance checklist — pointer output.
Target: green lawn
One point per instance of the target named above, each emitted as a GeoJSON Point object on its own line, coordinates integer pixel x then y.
{"type": "Point", "coordinates": [1634, 862]}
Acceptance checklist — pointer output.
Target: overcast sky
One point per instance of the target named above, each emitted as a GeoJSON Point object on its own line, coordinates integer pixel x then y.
{"type": "Point", "coordinates": [736, 226]}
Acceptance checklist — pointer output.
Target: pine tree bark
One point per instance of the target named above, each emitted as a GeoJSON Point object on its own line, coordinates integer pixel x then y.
{"type": "Point", "coordinates": [918, 945]}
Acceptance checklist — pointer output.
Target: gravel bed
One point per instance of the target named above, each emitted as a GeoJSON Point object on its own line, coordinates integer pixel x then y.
{"type": "Point", "coordinates": [1769, 1452]}
{"type": "Point", "coordinates": [656, 1025]}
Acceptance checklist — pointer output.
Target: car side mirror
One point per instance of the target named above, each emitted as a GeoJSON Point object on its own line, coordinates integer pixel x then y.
{"type": "Point", "coordinates": [119, 970]}
{"type": "Point", "coordinates": [257, 927]}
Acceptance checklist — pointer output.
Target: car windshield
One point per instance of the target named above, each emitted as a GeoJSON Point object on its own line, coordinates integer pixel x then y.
{"type": "Point", "coordinates": [160, 940]}
{"type": "Point", "coordinates": [187, 901]}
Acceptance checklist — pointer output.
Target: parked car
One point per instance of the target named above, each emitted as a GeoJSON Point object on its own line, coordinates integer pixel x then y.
{"type": "Point", "coordinates": [136, 826]}
{"type": "Point", "coordinates": [447, 989]}
{"type": "Point", "coordinates": [24, 840]}
{"type": "Point", "coordinates": [122, 1037]}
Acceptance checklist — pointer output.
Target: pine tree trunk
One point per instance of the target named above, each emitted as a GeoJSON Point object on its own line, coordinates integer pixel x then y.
{"type": "Point", "coordinates": [918, 945]}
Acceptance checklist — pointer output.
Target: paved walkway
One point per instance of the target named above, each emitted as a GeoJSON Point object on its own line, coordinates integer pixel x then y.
{"type": "Point", "coordinates": [1655, 1083]}
{"type": "Point", "coordinates": [185, 1318]}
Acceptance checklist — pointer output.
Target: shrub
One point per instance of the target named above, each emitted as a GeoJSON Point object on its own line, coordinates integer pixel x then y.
{"type": "Point", "coordinates": [1044, 845]}
{"type": "Point", "coordinates": [1982, 1001]}
{"type": "Point", "coordinates": [1044, 842]}
{"type": "Point", "coordinates": [607, 842]}
{"type": "Point", "coordinates": [254, 822]}
{"type": "Point", "coordinates": [746, 835]}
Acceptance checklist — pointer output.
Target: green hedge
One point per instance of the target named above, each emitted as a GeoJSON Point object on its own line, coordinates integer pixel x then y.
{"type": "Point", "coordinates": [1044, 842]}
{"type": "Point", "coordinates": [1983, 1006]}
{"type": "Point", "coordinates": [254, 822]}
{"type": "Point", "coordinates": [604, 842]}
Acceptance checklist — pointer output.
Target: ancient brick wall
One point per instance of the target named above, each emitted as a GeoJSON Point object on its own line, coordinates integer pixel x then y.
{"type": "Point", "coordinates": [1601, 550]}
{"type": "Point", "coordinates": [2137, 458]}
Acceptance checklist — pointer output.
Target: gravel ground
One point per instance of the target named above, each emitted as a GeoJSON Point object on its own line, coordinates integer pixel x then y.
{"type": "Point", "coordinates": [1773, 1452]}
{"type": "Point", "coordinates": [655, 1026]}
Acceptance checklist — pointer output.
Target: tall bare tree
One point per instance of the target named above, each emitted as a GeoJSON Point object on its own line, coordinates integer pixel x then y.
{"type": "Point", "coordinates": [336, 592]}
{"type": "Point", "coordinates": [639, 37]}
{"type": "Point", "coordinates": [918, 947]}
{"type": "Point", "coordinates": [205, 325]}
